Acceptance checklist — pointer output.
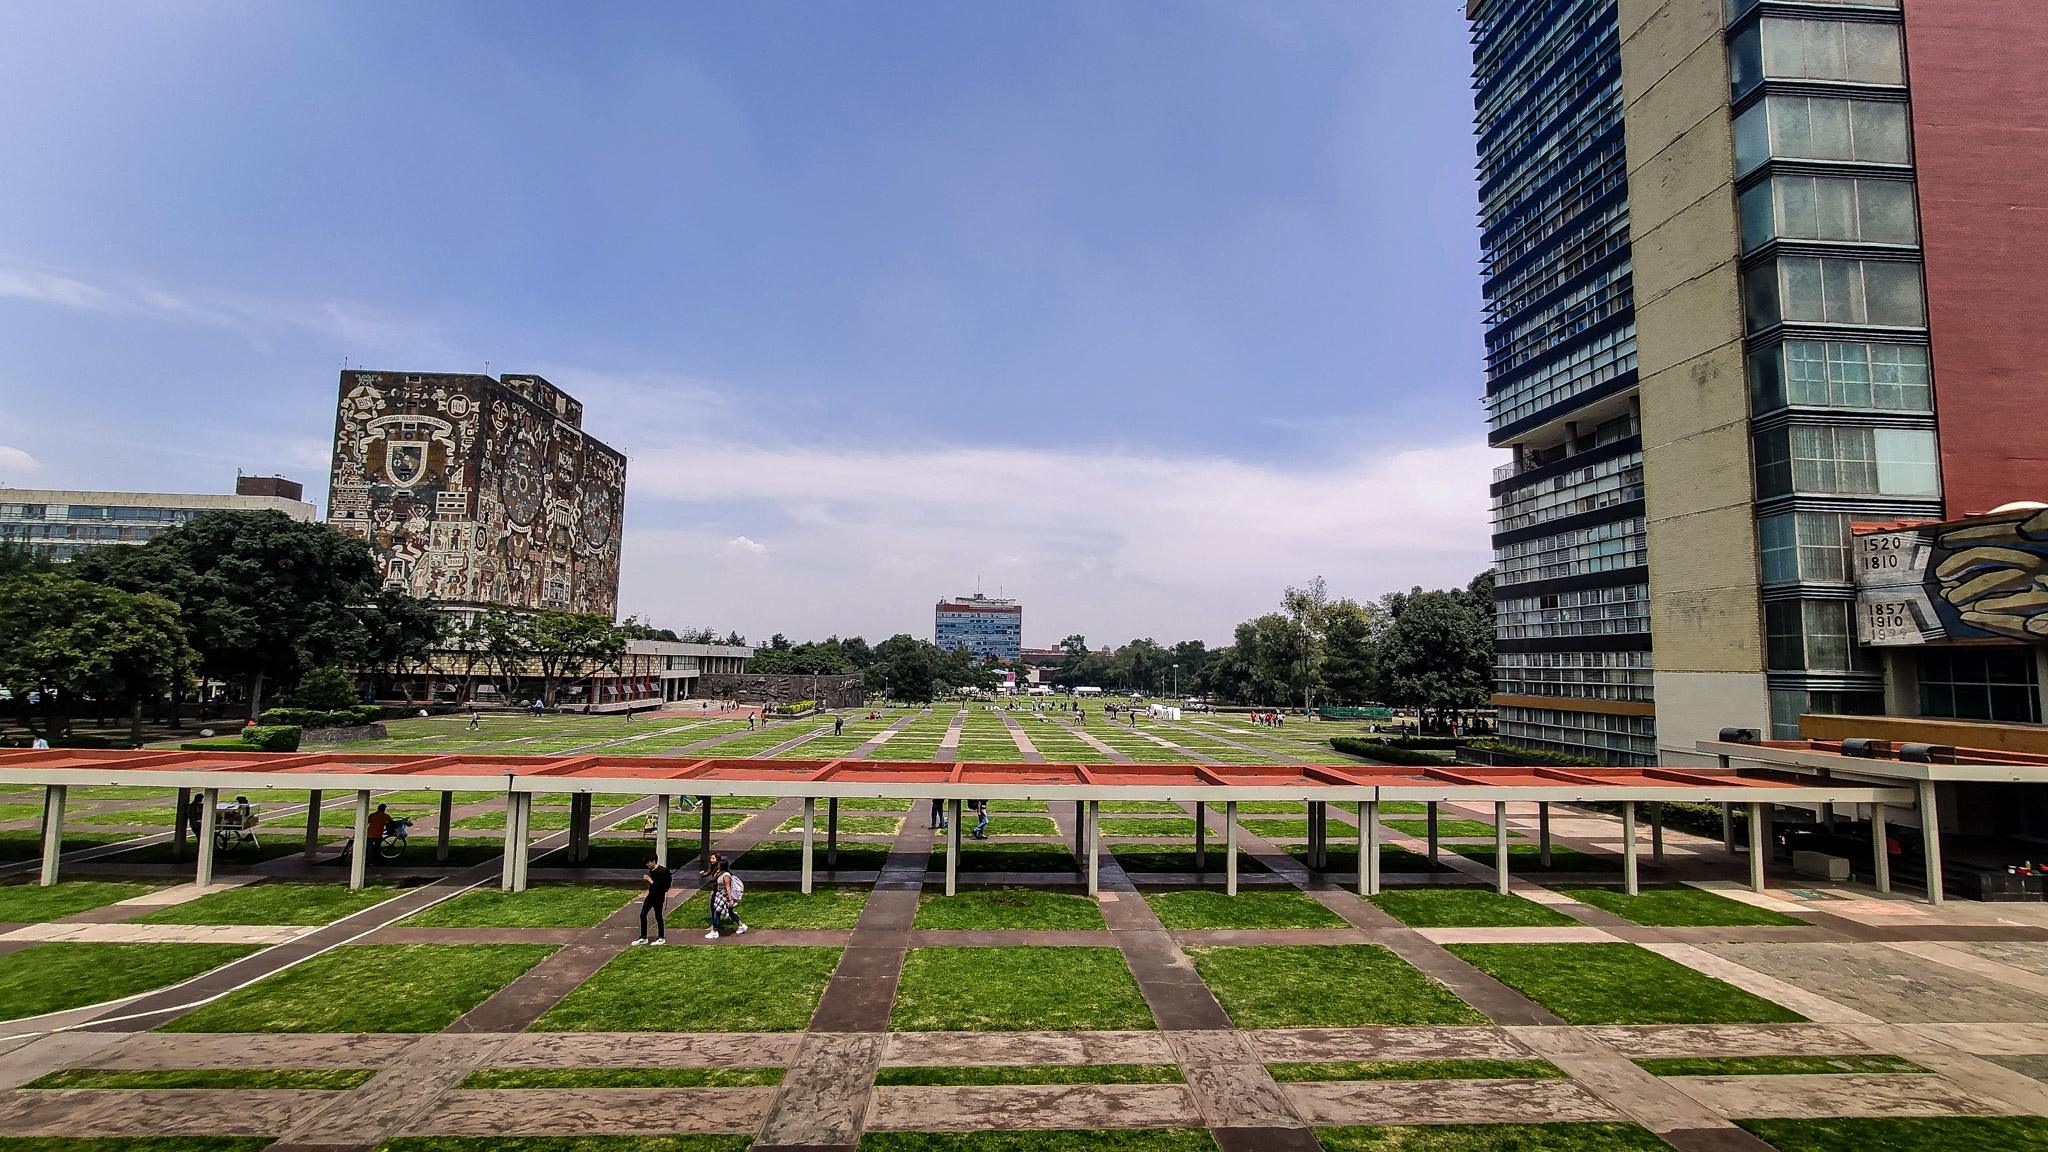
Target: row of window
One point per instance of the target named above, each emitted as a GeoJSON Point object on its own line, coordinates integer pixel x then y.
{"type": "Point", "coordinates": [1587, 366]}
{"type": "Point", "coordinates": [1864, 210]}
{"type": "Point", "coordinates": [1600, 548]}
{"type": "Point", "coordinates": [1840, 374]}
{"type": "Point", "coordinates": [1789, 48]}
{"type": "Point", "coordinates": [1821, 128]}
{"type": "Point", "coordinates": [1604, 297]}
{"type": "Point", "coordinates": [1588, 612]}
{"type": "Point", "coordinates": [1813, 636]}
{"type": "Point", "coordinates": [1739, 8]}
{"type": "Point", "coordinates": [1788, 705]}
{"type": "Point", "coordinates": [1823, 460]}
{"type": "Point", "coordinates": [1805, 547]}
{"type": "Point", "coordinates": [1615, 480]}
{"type": "Point", "coordinates": [1834, 290]}
{"type": "Point", "coordinates": [1628, 740]}
{"type": "Point", "coordinates": [88, 532]}
{"type": "Point", "coordinates": [97, 512]}
{"type": "Point", "coordinates": [1999, 684]}
{"type": "Point", "coordinates": [1576, 675]}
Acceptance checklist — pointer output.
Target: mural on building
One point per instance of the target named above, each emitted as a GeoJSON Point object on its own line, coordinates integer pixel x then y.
{"type": "Point", "coordinates": [479, 491]}
{"type": "Point", "coordinates": [1976, 578]}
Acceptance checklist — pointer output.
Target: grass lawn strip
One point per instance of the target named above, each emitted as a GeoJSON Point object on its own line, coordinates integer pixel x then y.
{"type": "Point", "coordinates": [704, 989]}
{"type": "Point", "coordinates": [1017, 989]}
{"type": "Point", "coordinates": [369, 988]}
{"type": "Point", "coordinates": [1445, 828]}
{"type": "Point", "coordinates": [1464, 907]}
{"type": "Point", "coordinates": [783, 908]}
{"type": "Point", "coordinates": [1495, 1138]}
{"type": "Point", "coordinates": [1778, 1065]}
{"type": "Point", "coordinates": [1127, 807]}
{"type": "Point", "coordinates": [1096, 1140]}
{"type": "Point", "coordinates": [1203, 908]}
{"type": "Point", "coordinates": [1903, 1134]}
{"type": "Point", "coordinates": [28, 903]}
{"type": "Point", "coordinates": [53, 977]}
{"type": "Point", "coordinates": [1008, 908]}
{"type": "Point", "coordinates": [1180, 828]}
{"type": "Point", "coordinates": [700, 1143]}
{"type": "Point", "coordinates": [787, 856]}
{"type": "Point", "coordinates": [1150, 858]}
{"type": "Point", "coordinates": [1528, 857]}
{"type": "Point", "coordinates": [623, 1078]}
{"type": "Point", "coordinates": [1332, 986]}
{"type": "Point", "coordinates": [1677, 906]}
{"type": "Point", "coordinates": [271, 902]}
{"type": "Point", "coordinates": [1296, 829]}
{"type": "Point", "coordinates": [312, 1079]}
{"type": "Point", "coordinates": [983, 856]}
{"type": "Point", "coordinates": [1353, 1070]}
{"type": "Point", "coordinates": [541, 906]}
{"type": "Point", "coordinates": [1619, 984]}
{"type": "Point", "coordinates": [848, 825]}
{"type": "Point", "coordinates": [951, 1077]}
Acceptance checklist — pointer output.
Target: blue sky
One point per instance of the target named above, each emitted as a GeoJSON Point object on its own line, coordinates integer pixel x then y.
{"type": "Point", "coordinates": [1136, 310]}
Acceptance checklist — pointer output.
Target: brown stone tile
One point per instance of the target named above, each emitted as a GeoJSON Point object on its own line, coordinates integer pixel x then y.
{"type": "Point", "coordinates": [647, 1049]}
{"type": "Point", "coordinates": [405, 1089]}
{"type": "Point", "coordinates": [157, 1112]}
{"type": "Point", "coordinates": [1034, 1107]}
{"type": "Point", "coordinates": [248, 1050]}
{"type": "Point", "coordinates": [1446, 1102]}
{"type": "Point", "coordinates": [595, 1111]}
{"type": "Point", "coordinates": [966, 1049]}
{"type": "Point", "coordinates": [1011, 938]}
{"type": "Point", "coordinates": [1309, 1045]}
{"type": "Point", "coordinates": [1797, 1097]}
{"type": "Point", "coordinates": [1672, 1041]}
{"type": "Point", "coordinates": [824, 1096]}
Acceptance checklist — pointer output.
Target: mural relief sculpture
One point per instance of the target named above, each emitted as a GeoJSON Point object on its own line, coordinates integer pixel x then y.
{"type": "Point", "coordinates": [1986, 576]}
{"type": "Point", "coordinates": [476, 491]}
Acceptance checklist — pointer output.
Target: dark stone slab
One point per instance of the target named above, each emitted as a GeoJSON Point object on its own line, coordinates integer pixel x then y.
{"type": "Point", "coordinates": [1265, 1140]}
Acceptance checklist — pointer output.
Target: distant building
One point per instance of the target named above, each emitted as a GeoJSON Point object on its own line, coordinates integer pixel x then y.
{"type": "Point", "coordinates": [982, 625]}
{"type": "Point", "coordinates": [1042, 657]}
{"type": "Point", "coordinates": [479, 493]}
{"type": "Point", "coordinates": [60, 522]}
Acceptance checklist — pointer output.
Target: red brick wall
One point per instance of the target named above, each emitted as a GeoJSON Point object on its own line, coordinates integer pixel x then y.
{"type": "Point", "coordinates": [1979, 73]}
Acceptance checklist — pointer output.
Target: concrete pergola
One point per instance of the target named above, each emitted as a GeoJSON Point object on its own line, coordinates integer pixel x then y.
{"type": "Point", "coordinates": [1911, 768]}
{"type": "Point", "coordinates": [1086, 786]}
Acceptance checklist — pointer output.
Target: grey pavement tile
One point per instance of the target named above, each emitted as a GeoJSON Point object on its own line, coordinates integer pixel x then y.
{"type": "Point", "coordinates": [1797, 1097]}
{"type": "Point", "coordinates": [1446, 1102]}
{"type": "Point", "coordinates": [1310, 1045]}
{"type": "Point", "coordinates": [592, 1112]}
{"type": "Point", "coordinates": [1887, 984]}
{"type": "Point", "coordinates": [967, 1049]}
{"type": "Point", "coordinates": [1039, 1107]}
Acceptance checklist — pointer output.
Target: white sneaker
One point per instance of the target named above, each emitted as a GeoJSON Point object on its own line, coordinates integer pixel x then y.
{"type": "Point", "coordinates": [658, 943]}
{"type": "Point", "coordinates": [711, 935]}
{"type": "Point", "coordinates": [742, 931]}
{"type": "Point", "coordinates": [637, 943]}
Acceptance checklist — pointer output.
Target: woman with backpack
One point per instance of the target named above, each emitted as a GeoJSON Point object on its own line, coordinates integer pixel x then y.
{"type": "Point", "coordinates": [727, 890]}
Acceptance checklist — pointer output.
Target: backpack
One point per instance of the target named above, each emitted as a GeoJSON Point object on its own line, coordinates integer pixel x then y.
{"type": "Point", "coordinates": [736, 888]}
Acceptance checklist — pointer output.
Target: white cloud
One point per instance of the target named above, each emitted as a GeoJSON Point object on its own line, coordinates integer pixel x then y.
{"type": "Point", "coordinates": [252, 314]}
{"type": "Point", "coordinates": [1112, 544]}
{"type": "Point", "coordinates": [15, 462]}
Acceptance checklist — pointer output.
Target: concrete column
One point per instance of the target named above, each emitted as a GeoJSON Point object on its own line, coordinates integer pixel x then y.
{"type": "Point", "coordinates": [810, 841]}
{"type": "Point", "coordinates": [832, 832]}
{"type": "Point", "coordinates": [312, 824]}
{"type": "Point", "coordinates": [1230, 847]}
{"type": "Point", "coordinates": [1500, 847]}
{"type": "Point", "coordinates": [1080, 829]}
{"type": "Point", "coordinates": [1629, 883]}
{"type": "Point", "coordinates": [1201, 836]}
{"type": "Point", "coordinates": [1433, 848]}
{"type": "Point", "coordinates": [703, 830]}
{"type": "Point", "coordinates": [579, 827]}
{"type": "Point", "coordinates": [1543, 834]}
{"type": "Point", "coordinates": [359, 856]}
{"type": "Point", "coordinates": [185, 800]}
{"type": "Point", "coordinates": [523, 851]}
{"type": "Point", "coordinates": [53, 831]}
{"type": "Point", "coordinates": [1881, 868]}
{"type": "Point", "coordinates": [661, 830]}
{"type": "Point", "coordinates": [1728, 827]}
{"type": "Point", "coordinates": [508, 867]}
{"type": "Point", "coordinates": [1321, 830]}
{"type": "Point", "coordinates": [1657, 832]}
{"type": "Point", "coordinates": [1930, 841]}
{"type": "Point", "coordinates": [208, 818]}
{"type": "Point", "coordinates": [1756, 847]}
{"type": "Point", "coordinates": [441, 837]}
{"type": "Point", "coordinates": [952, 847]}
{"type": "Point", "coordinates": [1094, 847]}
{"type": "Point", "coordinates": [1369, 848]}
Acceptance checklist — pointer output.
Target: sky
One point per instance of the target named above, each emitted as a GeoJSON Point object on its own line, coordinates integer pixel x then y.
{"type": "Point", "coordinates": [1136, 312]}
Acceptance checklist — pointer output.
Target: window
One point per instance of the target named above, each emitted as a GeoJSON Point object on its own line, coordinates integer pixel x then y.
{"type": "Point", "coordinates": [1787, 706]}
{"type": "Point", "coordinates": [1840, 374]}
{"type": "Point", "coordinates": [1736, 8]}
{"type": "Point", "coordinates": [1979, 684]}
{"type": "Point", "coordinates": [1860, 53]}
{"type": "Point", "coordinates": [1827, 290]}
{"type": "Point", "coordinates": [1809, 547]}
{"type": "Point", "coordinates": [1825, 460]}
{"type": "Point", "coordinates": [1828, 208]}
{"type": "Point", "coordinates": [1821, 128]}
{"type": "Point", "coordinates": [1811, 636]}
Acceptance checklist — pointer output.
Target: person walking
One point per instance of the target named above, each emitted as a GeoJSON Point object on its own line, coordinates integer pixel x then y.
{"type": "Point", "coordinates": [726, 893]}
{"type": "Point", "coordinates": [938, 814]}
{"type": "Point", "coordinates": [476, 720]}
{"type": "Point", "coordinates": [838, 725]}
{"type": "Point", "coordinates": [980, 820]}
{"type": "Point", "coordinates": [657, 878]}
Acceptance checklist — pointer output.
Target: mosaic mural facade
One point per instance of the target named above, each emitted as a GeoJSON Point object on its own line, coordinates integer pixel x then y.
{"type": "Point", "coordinates": [475, 491]}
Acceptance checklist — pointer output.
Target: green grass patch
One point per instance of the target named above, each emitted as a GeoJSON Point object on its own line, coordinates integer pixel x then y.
{"type": "Point", "coordinates": [952, 1077]}
{"type": "Point", "coordinates": [784, 908]}
{"type": "Point", "coordinates": [29, 903]}
{"type": "Point", "coordinates": [53, 977]}
{"type": "Point", "coordinates": [1094, 1140]}
{"type": "Point", "coordinates": [1010, 825]}
{"type": "Point", "coordinates": [1494, 1138]}
{"type": "Point", "coordinates": [1403, 808]}
{"type": "Point", "coordinates": [542, 820]}
{"type": "Point", "coordinates": [9, 813]}
{"type": "Point", "coordinates": [787, 856]}
{"type": "Point", "coordinates": [1778, 1065]}
{"type": "Point", "coordinates": [1464, 907]}
{"type": "Point", "coordinates": [1127, 807]}
{"type": "Point", "coordinates": [700, 1143]}
{"type": "Point", "coordinates": [427, 796]}
{"type": "Point", "coordinates": [1016, 806]}
{"type": "Point", "coordinates": [1017, 989]}
{"type": "Point", "coordinates": [312, 1079]}
{"type": "Point", "coordinates": [984, 908]}
{"type": "Point", "coordinates": [1207, 908]}
{"type": "Point", "coordinates": [698, 989]}
{"type": "Point", "coordinates": [849, 825]}
{"type": "Point", "coordinates": [983, 856]}
{"type": "Point", "coordinates": [1340, 986]}
{"type": "Point", "coordinates": [1678, 906]}
{"type": "Point", "coordinates": [1269, 807]}
{"type": "Point", "coordinates": [271, 902]}
{"type": "Point", "coordinates": [1903, 1134]}
{"type": "Point", "coordinates": [1180, 828]}
{"type": "Point", "coordinates": [873, 804]}
{"type": "Point", "coordinates": [1447, 829]}
{"type": "Point", "coordinates": [720, 803]}
{"type": "Point", "coordinates": [1619, 984]}
{"type": "Point", "coordinates": [1296, 829]}
{"type": "Point", "coordinates": [1346, 1070]}
{"type": "Point", "coordinates": [622, 1078]}
{"type": "Point", "coordinates": [1528, 858]}
{"type": "Point", "coordinates": [541, 906]}
{"type": "Point", "coordinates": [1146, 858]}
{"type": "Point", "coordinates": [139, 817]}
{"type": "Point", "coordinates": [369, 988]}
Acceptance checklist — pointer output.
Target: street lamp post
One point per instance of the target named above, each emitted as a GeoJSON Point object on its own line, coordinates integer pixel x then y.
{"type": "Point", "coordinates": [1176, 683]}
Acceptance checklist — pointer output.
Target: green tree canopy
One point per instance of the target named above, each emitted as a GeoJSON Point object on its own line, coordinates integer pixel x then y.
{"type": "Point", "coordinates": [68, 638]}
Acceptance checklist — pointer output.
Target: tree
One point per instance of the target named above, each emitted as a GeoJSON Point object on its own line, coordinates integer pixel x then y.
{"type": "Point", "coordinates": [908, 667]}
{"type": "Point", "coordinates": [1308, 610]}
{"type": "Point", "coordinates": [732, 639]}
{"type": "Point", "coordinates": [68, 639]}
{"type": "Point", "coordinates": [326, 690]}
{"type": "Point", "coordinates": [1436, 655]}
{"type": "Point", "coordinates": [250, 588]}
{"type": "Point", "coordinates": [1350, 659]}
{"type": "Point", "coordinates": [567, 644]}
{"type": "Point", "coordinates": [1075, 646]}
{"type": "Point", "coordinates": [397, 632]}
{"type": "Point", "coordinates": [636, 629]}
{"type": "Point", "coordinates": [1225, 677]}
{"type": "Point", "coordinates": [507, 639]}
{"type": "Point", "coordinates": [17, 557]}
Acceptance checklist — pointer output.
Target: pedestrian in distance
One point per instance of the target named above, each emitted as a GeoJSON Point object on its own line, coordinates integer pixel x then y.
{"type": "Point", "coordinates": [657, 878]}
{"type": "Point", "coordinates": [838, 725]}
{"type": "Point", "coordinates": [980, 820]}
{"type": "Point", "coordinates": [476, 720]}
{"type": "Point", "coordinates": [938, 814]}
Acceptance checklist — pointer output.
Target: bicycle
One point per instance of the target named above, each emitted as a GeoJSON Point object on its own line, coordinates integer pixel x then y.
{"type": "Point", "coordinates": [395, 840]}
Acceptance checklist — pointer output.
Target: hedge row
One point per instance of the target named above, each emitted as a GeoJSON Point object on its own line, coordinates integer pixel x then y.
{"type": "Point", "coordinates": [1523, 755]}
{"type": "Point", "coordinates": [262, 738]}
{"type": "Point", "coordinates": [1685, 815]}
{"type": "Point", "coordinates": [315, 718]}
{"type": "Point", "coordinates": [795, 707]}
{"type": "Point", "coordinates": [1385, 752]}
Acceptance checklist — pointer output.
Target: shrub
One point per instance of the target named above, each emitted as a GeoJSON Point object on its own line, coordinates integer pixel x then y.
{"type": "Point", "coordinates": [218, 744]}
{"type": "Point", "coordinates": [1385, 752]}
{"type": "Point", "coordinates": [315, 718]}
{"type": "Point", "coordinates": [273, 737]}
{"type": "Point", "coordinates": [327, 689]}
{"type": "Point", "coordinates": [795, 706]}
{"type": "Point", "coordinates": [1516, 754]}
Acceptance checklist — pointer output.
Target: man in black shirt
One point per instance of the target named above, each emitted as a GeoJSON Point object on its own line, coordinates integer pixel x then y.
{"type": "Point", "coordinates": [657, 881]}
